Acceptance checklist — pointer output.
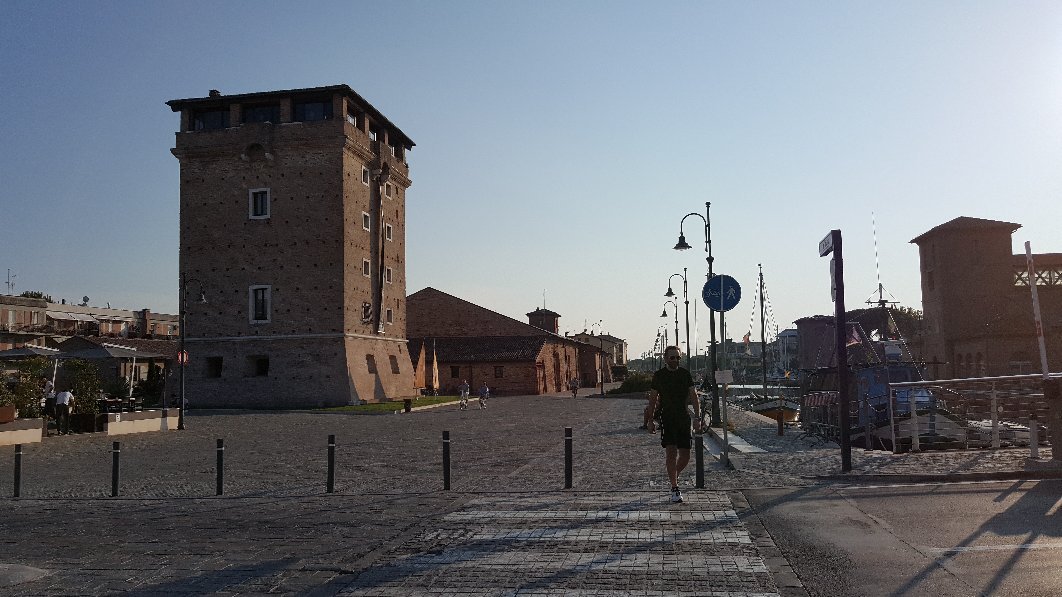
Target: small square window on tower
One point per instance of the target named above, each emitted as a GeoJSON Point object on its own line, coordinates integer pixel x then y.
{"type": "Point", "coordinates": [364, 176]}
{"type": "Point", "coordinates": [390, 315]}
{"type": "Point", "coordinates": [258, 204]}
{"type": "Point", "coordinates": [365, 267]}
{"type": "Point", "coordinates": [387, 189]}
{"type": "Point", "coordinates": [366, 221]}
{"type": "Point", "coordinates": [389, 232]}
{"type": "Point", "coordinates": [387, 276]}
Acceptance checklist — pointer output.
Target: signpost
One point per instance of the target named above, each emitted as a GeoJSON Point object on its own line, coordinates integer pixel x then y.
{"type": "Point", "coordinates": [832, 244]}
{"type": "Point", "coordinates": [722, 293]}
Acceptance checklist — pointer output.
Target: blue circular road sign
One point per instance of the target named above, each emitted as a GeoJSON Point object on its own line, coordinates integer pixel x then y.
{"type": "Point", "coordinates": [721, 293]}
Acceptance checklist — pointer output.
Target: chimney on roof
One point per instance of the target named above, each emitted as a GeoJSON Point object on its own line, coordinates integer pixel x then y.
{"type": "Point", "coordinates": [215, 93]}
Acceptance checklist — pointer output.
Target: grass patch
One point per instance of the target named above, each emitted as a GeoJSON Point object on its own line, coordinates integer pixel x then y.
{"type": "Point", "coordinates": [392, 406]}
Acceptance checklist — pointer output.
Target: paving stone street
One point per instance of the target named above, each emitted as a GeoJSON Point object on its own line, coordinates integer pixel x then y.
{"type": "Point", "coordinates": [507, 526]}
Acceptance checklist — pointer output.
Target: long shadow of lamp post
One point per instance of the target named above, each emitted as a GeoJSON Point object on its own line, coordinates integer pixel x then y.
{"type": "Point", "coordinates": [682, 245]}
{"type": "Point", "coordinates": [685, 295]}
{"type": "Point", "coordinates": [182, 355]}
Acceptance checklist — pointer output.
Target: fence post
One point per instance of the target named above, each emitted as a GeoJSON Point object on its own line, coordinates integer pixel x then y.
{"type": "Point", "coordinates": [220, 490]}
{"type": "Point", "coordinates": [18, 470]}
{"type": "Point", "coordinates": [331, 485]}
{"type": "Point", "coordinates": [1034, 436]}
{"type": "Point", "coordinates": [912, 402]}
{"type": "Point", "coordinates": [567, 457]}
{"type": "Point", "coordinates": [995, 417]}
{"type": "Point", "coordinates": [700, 461]}
{"type": "Point", "coordinates": [116, 456]}
{"type": "Point", "coordinates": [446, 460]}
{"type": "Point", "coordinates": [892, 420]}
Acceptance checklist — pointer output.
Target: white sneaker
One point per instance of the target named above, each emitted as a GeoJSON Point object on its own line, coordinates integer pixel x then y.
{"type": "Point", "coordinates": [676, 496]}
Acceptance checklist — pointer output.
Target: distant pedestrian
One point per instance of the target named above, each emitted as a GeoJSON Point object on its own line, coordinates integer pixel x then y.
{"type": "Point", "coordinates": [672, 390]}
{"type": "Point", "coordinates": [573, 386]}
{"type": "Point", "coordinates": [464, 389]}
{"type": "Point", "coordinates": [63, 402]}
{"type": "Point", "coordinates": [484, 393]}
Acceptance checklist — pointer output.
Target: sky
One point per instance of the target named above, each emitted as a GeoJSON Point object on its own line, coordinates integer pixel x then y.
{"type": "Point", "coordinates": [558, 144]}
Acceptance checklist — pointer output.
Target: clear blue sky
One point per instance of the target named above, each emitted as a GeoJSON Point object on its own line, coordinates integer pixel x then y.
{"type": "Point", "coordinates": [558, 143]}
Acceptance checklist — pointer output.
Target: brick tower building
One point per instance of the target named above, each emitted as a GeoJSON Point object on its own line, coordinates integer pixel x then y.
{"type": "Point", "coordinates": [293, 229]}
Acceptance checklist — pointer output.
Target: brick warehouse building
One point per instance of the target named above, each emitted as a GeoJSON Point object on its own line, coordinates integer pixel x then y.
{"type": "Point", "coordinates": [293, 228]}
{"type": "Point", "coordinates": [977, 304]}
{"type": "Point", "coordinates": [461, 340]}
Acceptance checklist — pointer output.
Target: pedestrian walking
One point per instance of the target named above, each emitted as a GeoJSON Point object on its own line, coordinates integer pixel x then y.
{"type": "Point", "coordinates": [573, 385]}
{"type": "Point", "coordinates": [672, 390]}
{"type": "Point", "coordinates": [484, 393]}
{"type": "Point", "coordinates": [464, 388]}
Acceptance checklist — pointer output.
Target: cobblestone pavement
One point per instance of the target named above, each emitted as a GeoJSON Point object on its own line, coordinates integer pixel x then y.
{"type": "Point", "coordinates": [507, 527]}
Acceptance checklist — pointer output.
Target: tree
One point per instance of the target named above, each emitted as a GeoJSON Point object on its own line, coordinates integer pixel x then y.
{"type": "Point", "coordinates": [85, 384]}
{"type": "Point", "coordinates": [37, 294]}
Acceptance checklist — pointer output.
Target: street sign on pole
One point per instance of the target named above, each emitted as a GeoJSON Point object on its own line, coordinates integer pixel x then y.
{"type": "Point", "coordinates": [721, 293]}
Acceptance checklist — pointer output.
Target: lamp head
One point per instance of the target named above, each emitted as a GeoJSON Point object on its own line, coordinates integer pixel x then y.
{"type": "Point", "coordinates": [682, 245]}
{"type": "Point", "coordinates": [669, 292]}
{"type": "Point", "coordinates": [663, 313]}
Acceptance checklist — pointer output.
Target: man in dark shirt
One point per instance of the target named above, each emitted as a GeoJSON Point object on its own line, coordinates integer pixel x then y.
{"type": "Point", "coordinates": [672, 390]}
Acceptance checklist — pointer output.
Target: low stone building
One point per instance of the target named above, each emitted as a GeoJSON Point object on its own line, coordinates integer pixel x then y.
{"type": "Point", "coordinates": [453, 340]}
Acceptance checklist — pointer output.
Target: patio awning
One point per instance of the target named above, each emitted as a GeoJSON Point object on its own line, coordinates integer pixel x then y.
{"type": "Point", "coordinates": [60, 316]}
{"type": "Point", "coordinates": [26, 352]}
{"type": "Point", "coordinates": [108, 352]}
{"type": "Point", "coordinates": [82, 317]}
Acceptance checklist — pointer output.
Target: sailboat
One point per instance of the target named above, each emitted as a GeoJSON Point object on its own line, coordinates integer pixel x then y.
{"type": "Point", "coordinates": [780, 408]}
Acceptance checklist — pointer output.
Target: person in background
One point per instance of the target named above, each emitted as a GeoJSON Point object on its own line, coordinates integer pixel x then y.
{"type": "Point", "coordinates": [63, 402]}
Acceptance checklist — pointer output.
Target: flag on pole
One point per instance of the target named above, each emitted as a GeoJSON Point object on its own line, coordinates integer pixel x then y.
{"type": "Point", "coordinates": [746, 340]}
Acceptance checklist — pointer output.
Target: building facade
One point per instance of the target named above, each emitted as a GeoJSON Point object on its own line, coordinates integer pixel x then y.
{"type": "Point", "coordinates": [454, 340]}
{"type": "Point", "coordinates": [293, 229]}
{"type": "Point", "coordinates": [977, 303]}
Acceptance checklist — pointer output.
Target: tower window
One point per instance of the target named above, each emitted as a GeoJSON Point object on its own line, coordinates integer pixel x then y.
{"type": "Point", "coordinates": [394, 364]}
{"type": "Point", "coordinates": [260, 299]}
{"type": "Point", "coordinates": [387, 276]}
{"type": "Point", "coordinates": [213, 366]}
{"type": "Point", "coordinates": [257, 366]}
{"type": "Point", "coordinates": [258, 204]}
{"type": "Point", "coordinates": [208, 120]}
{"type": "Point", "coordinates": [387, 189]}
{"type": "Point", "coordinates": [370, 363]}
{"type": "Point", "coordinates": [364, 176]}
{"type": "Point", "coordinates": [262, 113]}
{"type": "Point", "coordinates": [366, 221]}
{"type": "Point", "coordinates": [365, 271]}
{"type": "Point", "coordinates": [390, 315]}
{"type": "Point", "coordinates": [389, 232]}
{"type": "Point", "coordinates": [310, 111]}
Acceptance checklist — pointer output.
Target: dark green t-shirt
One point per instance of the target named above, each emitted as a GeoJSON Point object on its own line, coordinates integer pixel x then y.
{"type": "Point", "coordinates": [674, 389]}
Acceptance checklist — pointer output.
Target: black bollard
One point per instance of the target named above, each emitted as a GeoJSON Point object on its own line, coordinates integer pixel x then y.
{"type": "Point", "coordinates": [567, 457]}
{"type": "Point", "coordinates": [700, 462]}
{"type": "Point", "coordinates": [331, 487]}
{"type": "Point", "coordinates": [446, 460]}
{"type": "Point", "coordinates": [221, 468]}
{"type": "Point", "coordinates": [18, 470]}
{"type": "Point", "coordinates": [116, 467]}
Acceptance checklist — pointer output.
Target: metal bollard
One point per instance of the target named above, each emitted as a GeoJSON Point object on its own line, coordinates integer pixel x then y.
{"type": "Point", "coordinates": [567, 457]}
{"type": "Point", "coordinates": [220, 490]}
{"type": "Point", "coordinates": [446, 460]}
{"type": "Point", "coordinates": [700, 461]}
{"type": "Point", "coordinates": [331, 486]}
{"type": "Point", "coordinates": [18, 470]}
{"type": "Point", "coordinates": [116, 466]}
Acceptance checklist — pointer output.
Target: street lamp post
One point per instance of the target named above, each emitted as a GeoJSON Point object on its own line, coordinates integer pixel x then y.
{"type": "Point", "coordinates": [686, 297]}
{"type": "Point", "coordinates": [182, 355]}
{"type": "Point", "coordinates": [663, 313]}
{"type": "Point", "coordinates": [682, 245]}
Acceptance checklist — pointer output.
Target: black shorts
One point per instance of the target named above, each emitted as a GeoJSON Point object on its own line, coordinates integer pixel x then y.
{"type": "Point", "coordinates": [676, 431]}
